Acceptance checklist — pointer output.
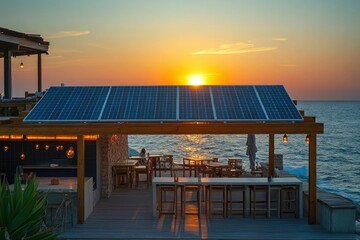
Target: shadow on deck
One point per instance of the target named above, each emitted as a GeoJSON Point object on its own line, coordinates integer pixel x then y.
{"type": "Point", "coordinates": [128, 214]}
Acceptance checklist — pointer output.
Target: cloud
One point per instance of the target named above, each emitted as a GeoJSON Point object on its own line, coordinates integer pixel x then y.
{"type": "Point", "coordinates": [235, 48]}
{"type": "Point", "coordinates": [65, 34]}
{"type": "Point", "coordinates": [280, 39]}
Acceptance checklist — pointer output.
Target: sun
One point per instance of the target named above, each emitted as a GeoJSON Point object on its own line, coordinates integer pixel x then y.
{"type": "Point", "coordinates": [196, 79]}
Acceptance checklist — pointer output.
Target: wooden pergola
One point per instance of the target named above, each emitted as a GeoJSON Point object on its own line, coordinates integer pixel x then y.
{"type": "Point", "coordinates": [13, 44]}
{"type": "Point", "coordinates": [308, 127]}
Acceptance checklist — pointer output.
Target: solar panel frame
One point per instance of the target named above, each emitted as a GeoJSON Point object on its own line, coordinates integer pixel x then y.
{"type": "Point", "coordinates": [277, 103]}
{"type": "Point", "coordinates": [69, 104]}
{"type": "Point", "coordinates": [237, 103]}
{"type": "Point", "coordinates": [233, 103]}
{"type": "Point", "coordinates": [140, 103]}
{"type": "Point", "coordinates": [195, 103]}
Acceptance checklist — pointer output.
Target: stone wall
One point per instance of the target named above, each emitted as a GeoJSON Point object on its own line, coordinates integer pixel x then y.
{"type": "Point", "coordinates": [113, 148]}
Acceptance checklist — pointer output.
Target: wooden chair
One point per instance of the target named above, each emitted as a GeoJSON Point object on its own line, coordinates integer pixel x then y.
{"type": "Point", "coordinates": [121, 174]}
{"type": "Point", "coordinates": [58, 212]}
{"type": "Point", "coordinates": [165, 164]}
{"type": "Point", "coordinates": [289, 200]}
{"type": "Point", "coordinates": [235, 167]}
{"type": "Point", "coordinates": [208, 171]}
{"type": "Point", "coordinates": [146, 170]}
{"type": "Point", "coordinates": [232, 200]}
{"type": "Point", "coordinates": [163, 191]}
{"type": "Point", "coordinates": [259, 205]}
{"type": "Point", "coordinates": [195, 189]}
{"type": "Point", "coordinates": [213, 200]}
{"type": "Point", "coordinates": [188, 166]}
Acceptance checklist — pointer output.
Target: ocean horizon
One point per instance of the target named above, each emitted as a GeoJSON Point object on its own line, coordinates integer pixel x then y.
{"type": "Point", "coordinates": [338, 154]}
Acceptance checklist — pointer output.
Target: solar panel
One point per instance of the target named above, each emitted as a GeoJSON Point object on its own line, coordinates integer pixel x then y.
{"type": "Point", "coordinates": [132, 103]}
{"type": "Point", "coordinates": [237, 103]}
{"type": "Point", "coordinates": [277, 103]}
{"type": "Point", "coordinates": [195, 103]}
{"type": "Point", "coordinates": [165, 103]}
{"type": "Point", "coordinates": [69, 104]}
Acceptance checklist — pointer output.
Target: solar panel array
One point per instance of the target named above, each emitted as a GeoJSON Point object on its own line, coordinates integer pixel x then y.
{"type": "Point", "coordinates": [165, 103]}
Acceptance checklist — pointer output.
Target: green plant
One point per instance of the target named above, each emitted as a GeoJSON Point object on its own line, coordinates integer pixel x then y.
{"type": "Point", "coordinates": [22, 212]}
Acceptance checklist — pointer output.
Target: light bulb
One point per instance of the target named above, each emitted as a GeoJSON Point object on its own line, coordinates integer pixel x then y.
{"type": "Point", "coordinates": [307, 139]}
{"type": "Point", "coordinates": [70, 153]}
{"type": "Point", "coordinates": [37, 146]}
{"type": "Point", "coordinates": [47, 147]}
{"type": "Point", "coordinates": [285, 138]}
{"type": "Point", "coordinates": [22, 156]}
{"type": "Point", "coordinates": [6, 148]}
{"type": "Point", "coordinates": [21, 65]}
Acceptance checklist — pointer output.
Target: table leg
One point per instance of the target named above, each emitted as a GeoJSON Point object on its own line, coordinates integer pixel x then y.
{"type": "Point", "coordinates": [154, 199]}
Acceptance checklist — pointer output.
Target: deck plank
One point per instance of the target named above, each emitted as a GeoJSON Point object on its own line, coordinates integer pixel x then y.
{"type": "Point", "coordinates": [128, 214]}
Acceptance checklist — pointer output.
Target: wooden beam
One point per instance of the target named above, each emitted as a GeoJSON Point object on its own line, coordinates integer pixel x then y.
{"type": "Point", "coordinates": [22, 42]}
{"type": "Point", "coordinates": [39, 73]}
{"type": "Point", "coordinates": [309, 119]}
{"type": "Point", "coordinates": [271, 155]}
{"type": "Point", "coordinates": [7, 75]}
{"type": "Point", "coordinates": [312, 179]}
{"type": "Point", "coordinates": [80, 178]}
{"type": "Point", "coordinates": [302, 112]}
{"type": "Point", "coordinates": [162, 128]}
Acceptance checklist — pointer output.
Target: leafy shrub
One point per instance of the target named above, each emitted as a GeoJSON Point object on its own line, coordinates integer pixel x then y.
{"type": "Point", "coordinates": [22, 212]}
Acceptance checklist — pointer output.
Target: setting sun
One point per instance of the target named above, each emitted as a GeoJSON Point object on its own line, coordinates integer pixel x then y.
{"type": "Point", "coordinates": [196, 79]}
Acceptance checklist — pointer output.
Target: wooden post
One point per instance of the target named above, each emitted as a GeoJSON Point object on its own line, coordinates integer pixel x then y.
{"type": "Point", "coordinates": [7, 75]}
{"type": "Point", "coordinates": [271, 155]}
{"type": "Point", "coordinates": [80, 178]}
{"type": "Point", "coordinates": [39, 73]}
{"type": "Point", "coordinates": [312, 179]}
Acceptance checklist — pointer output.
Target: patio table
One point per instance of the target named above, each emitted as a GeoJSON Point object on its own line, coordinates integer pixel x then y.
{"type": "Point", "coordinates": [251, 181]}
{"type": "Point", "coordinates": [130, 165]}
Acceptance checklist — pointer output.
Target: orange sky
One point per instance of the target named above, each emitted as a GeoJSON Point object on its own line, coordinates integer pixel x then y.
{"type": "Point", "coordinates": [311, 47]}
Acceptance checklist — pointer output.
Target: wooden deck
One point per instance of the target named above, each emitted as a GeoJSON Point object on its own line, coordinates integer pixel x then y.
{"type": "Point", "coordinates": [128, 215]}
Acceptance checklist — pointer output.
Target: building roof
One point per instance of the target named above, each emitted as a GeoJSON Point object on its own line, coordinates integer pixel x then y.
{"type": "Point", "coordinates": [21, 44]}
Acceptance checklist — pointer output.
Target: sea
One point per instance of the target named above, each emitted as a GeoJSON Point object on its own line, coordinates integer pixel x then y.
{"type": "Point", "coordinates": [338, 149]}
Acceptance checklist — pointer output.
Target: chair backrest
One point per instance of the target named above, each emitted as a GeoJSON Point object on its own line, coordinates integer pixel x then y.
{"type": "Point", "coordinates": [235, 163]}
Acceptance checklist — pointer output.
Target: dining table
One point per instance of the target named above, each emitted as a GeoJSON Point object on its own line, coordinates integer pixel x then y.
{"type": "Point", "coordinates": [239, 181]}
{"type": "Point", "coordinates": [196, 163]}
{"type": "Point", "coordinates": [129, 164]}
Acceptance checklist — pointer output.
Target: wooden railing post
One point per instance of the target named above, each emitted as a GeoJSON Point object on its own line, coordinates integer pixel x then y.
{"type": "Point", "coordinates": [80, 178]}
{"type": "Point", "coordinates": [312, 179]}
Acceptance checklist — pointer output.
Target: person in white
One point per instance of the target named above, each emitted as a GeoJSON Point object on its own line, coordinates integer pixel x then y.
{"type": "Point", "coordinates": [251, 150]}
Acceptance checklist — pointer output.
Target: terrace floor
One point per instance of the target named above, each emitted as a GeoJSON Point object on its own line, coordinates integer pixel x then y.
{"type": "Point", "coordinates": [127, 214]}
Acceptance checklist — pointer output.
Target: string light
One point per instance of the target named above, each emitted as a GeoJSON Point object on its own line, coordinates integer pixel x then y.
{"type": "Point", "coordinates": [285, 138]}
{"type": "Point", "coordinates": [21, 65]}
{"type": "Point", "coordinates": [6, 148]}
{"type": "Point", "coordinates": [70, 153]}
{"type": "Point", "coordinates": [307, 139]}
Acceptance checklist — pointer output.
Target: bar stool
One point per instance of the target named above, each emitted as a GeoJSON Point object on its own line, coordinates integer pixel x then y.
{"type": "Point", "coordinates": [191, 189]}
{"type": "Point", "coordinates": [59, 218]}
{"type": "Point", "coordinates": [162, 191]}
{"type": "Point", "coordinates": [217, 189]}
{"type": "Point", "coordinates": [232, 189]}
{"type": "Point", "coordinates": [255, 203]}
{"type": "Point", "coordinates": [289, 200]}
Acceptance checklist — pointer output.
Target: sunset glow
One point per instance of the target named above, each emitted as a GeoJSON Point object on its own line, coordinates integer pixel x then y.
{"type": "Point", "coordinates": [217, 42]}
